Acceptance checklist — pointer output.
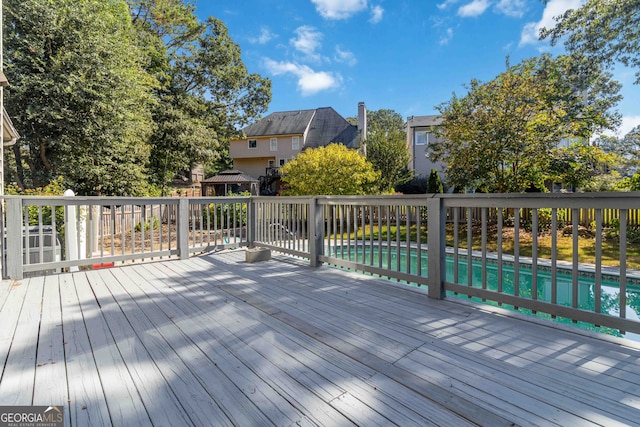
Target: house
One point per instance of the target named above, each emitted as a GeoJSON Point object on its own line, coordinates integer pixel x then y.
{"type": "Point", "coordinates": [420, 132]}
{"type": "Point", "coordinates": [279, 137]}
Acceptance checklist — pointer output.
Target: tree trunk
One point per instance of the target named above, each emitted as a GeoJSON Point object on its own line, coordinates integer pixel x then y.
{"type": "Point", "coordinates": [19, 172]}
{"type": "Point", "coordinates": [43, 157]}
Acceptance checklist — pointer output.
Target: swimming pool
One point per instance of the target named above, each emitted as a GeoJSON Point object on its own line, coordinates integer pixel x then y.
{"type": "Point", "coordinates": [610, 288]}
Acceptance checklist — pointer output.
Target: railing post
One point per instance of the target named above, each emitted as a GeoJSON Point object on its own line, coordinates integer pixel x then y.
{"type": "Point", "coordinates": [15, 242]}
{"type": "Point", "coordinates": [251, 222]}
{"type": "Point", "coordinates": [183, 228]}
{"type": "Point", "coordinates": [316, 231]}
{"type": "Point", "coordinates": [436, 250]}
{"type": "Point", "coordinates": [70, 231]}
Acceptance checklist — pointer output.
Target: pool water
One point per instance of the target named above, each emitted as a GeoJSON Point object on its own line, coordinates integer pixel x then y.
{"type": "Point", "coordinates": [610, 289]}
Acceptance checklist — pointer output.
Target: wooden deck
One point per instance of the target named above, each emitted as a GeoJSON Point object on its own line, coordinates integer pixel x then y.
{"type": "Point", "coordinates": [216, 341]}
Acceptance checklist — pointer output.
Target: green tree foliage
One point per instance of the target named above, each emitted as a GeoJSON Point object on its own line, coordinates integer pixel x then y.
{"type": "Point", "coordinates": [625, 150]}
{"type": "Point", "coordinates": [498, 137]}
{"type": "Point", "coordinates": [387, 148]}
{"type": "Point", "coordinates": [330, 170]}
{"type": "Point", "coordinates": [604, 31]}
{"type": "Point", "coordinates": [79, 95]}
{"type": "Point", "coordinates": [577, 164]}
{"type": "Point", "coordinates": [434, 185]}
{"type": "Point", "coordinates": [206, 92]}
{"type": "Point", "coordinates": [417, 185]}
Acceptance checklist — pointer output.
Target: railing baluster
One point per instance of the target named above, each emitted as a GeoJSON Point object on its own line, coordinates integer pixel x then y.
{"type": "Point", "coordinates": [112, 228]}
{"type": "Point", "coordinates": [40, 236]}
{"type": "Point", "coordinates": [408, 239]}
{"type": "Point", "coordinates": [122, 231]}
{"type": "Point", "coordinates": [371, 225]}
{"type": "Point", "coordinates": [500, 220]}
{"type": "Point", "coordinates": [623, 263]}
{"type": "Point", "coordinates": [388, 217]}
{"type": "Point", "coordinates": [484, 247]}
{"type": "Point", "coordinates": [456, 244]}
{"type": "Point", "coordinates": [575, 260]}
{"type": "Point", "coordinates": [534, 255]}
{"type": "Point", "coordinates": [418, 240]}
{"type": "Point", "coordinates": [398, 264]}
{"type": "Point", "coordinates": [25, 236]}
{"type": "Point", "coordinates": [554, 256]}
{"type": "Point", "coordinates": [469, 248]}
{"type": "Point", "coordinates": [516, 252]}
{"type": "Point", "coordinates": [598, 278]}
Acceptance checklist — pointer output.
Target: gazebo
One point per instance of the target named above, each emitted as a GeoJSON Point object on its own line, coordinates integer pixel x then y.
{"type": "Point", "coordinates": [231, 180]}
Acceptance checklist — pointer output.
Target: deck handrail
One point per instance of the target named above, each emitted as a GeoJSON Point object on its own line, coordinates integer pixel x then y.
{"type": "Point", "coordinates": [464, 244]}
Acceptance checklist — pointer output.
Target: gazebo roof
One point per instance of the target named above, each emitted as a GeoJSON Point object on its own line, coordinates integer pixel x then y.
{"type": "Point", "coordinates": [230, 176]}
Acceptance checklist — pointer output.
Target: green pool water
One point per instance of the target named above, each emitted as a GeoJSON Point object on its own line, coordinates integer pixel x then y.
{"type": "Point", "coordinates": [610, 289]}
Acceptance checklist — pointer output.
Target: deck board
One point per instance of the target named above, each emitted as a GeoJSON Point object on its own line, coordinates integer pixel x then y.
{"type": "Point", "coordinates": [121, 394]}
{"type": "Point", "coordinates": [187, 376]}
{"type": "Point", "coordinates": [18, 376]}
{"type": "Point", "coordinates": [50, 366]}
{"type": "Point", "coordinates": [246, 398]}
{"type": "Point", "coordinates": [213, 340]}
{"type": "Point", "coordinates": [86, 401]}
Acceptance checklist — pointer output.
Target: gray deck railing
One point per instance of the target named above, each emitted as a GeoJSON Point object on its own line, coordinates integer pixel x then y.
{"type": "Point", "coordinates": [480, 246]}
{"type": "Point", "coordinates": [71, 232]}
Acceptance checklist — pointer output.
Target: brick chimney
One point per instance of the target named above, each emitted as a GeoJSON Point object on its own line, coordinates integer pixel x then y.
{"type": "Point", "coordinates": [362, 127]}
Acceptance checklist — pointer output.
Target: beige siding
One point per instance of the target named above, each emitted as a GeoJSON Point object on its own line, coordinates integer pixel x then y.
{"type": "Point", "coordinates": [253, 167]}
{"type": "Point", "coordinates": [239, 149]}
{"type": "Point", "coordinates": [254, 161]}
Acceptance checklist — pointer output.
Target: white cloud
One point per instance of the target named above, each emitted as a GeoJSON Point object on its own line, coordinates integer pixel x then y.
{"type": "Point", "coordinates": [531, 31]}
{"type": "Point", "coordinates": [345, 56]}
{"type": "Point", "coordinates": [376, 14]}
{"type": "Point", "coordinates": [309, 81]}
{"type": "Point", "coordinates": [515, 8]}
{"type": "Point", "coordinates": [308, 40]}
{"type": "Point", "coordinates": [628, 124]}
{"type": "Point", "coordinates": [446, 4]}
{"type": "Point", "coordinates": [475, 8]}
{"type": "Point", "coordinates": [265, 36]}
{"type": "Point", "coordinates": [339, 9]}
{"type": "Point", "coordinates": [446, 38]}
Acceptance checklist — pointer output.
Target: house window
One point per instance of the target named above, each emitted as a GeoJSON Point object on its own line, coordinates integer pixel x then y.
{"type": "Point", "coordinates": [295, 143]}
{"type": "Point", "coordinates": [282, 162]}
{"type": "Point", "coordinates": [253, 143]}
{"type": "Point", "coordinates": [273, 144]}
{"type": "Point", "coordinates": [421, 137]}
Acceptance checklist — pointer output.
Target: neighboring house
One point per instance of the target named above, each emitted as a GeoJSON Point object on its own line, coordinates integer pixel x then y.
{"type": "Point", "coordinates": [279, 137]}
{"type": "Point", "coordinates": [420, 132]}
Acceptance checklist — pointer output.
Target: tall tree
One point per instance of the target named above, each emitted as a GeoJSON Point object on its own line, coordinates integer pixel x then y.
{"type": "Point", "coordinates": [576, 165]}
{"type": "Point", "coordinates": [604, 31]}
{"type": "Point", "coordinates": [79, 94]}
{"type": "Point", "coordinates": [206, 92]}
{"type": "Point", "coordinates": [497, 137]}
{"type": "Point", "coordinates": [331, 170]}
{"type": "Point", "coordinates": [387, 147]}
{"type": "Point", "coordinates": [626, 151]}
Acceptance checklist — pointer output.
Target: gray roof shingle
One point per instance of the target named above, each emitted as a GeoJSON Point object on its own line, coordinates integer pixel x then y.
{"type": "Point", "coordinates": [325, 126]}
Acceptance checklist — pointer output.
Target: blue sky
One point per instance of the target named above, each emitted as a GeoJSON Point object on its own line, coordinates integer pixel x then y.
{"type": "Point", "coordinates": [403, 55]}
